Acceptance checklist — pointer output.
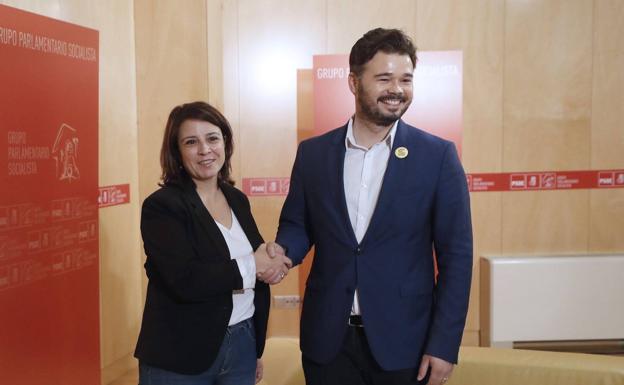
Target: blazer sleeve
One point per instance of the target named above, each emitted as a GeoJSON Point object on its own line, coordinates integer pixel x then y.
{"type": "Point", "coordinates": [293, 232]}
{"type": "Point", "coordinates": [171, 258]}
{"type": "Point", "coordinates": [452, 237]}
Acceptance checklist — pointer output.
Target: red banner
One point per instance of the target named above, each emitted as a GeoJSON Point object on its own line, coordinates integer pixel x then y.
{"type": "Point", "coordinates": [114, 195]}
{"type": "Point", "coordinates": [510, 181]}
{"type": "Point", "coordinates": [49, 268]}
{"type": "Point", "coordinates": [546, 180]}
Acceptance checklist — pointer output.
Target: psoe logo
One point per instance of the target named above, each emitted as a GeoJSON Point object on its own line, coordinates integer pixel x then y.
{"type": "Point", "coordinates": [548, 180]}
{"type": "Point", "coordinates": [605, 179]}
{"type": "Point", "coordinates": [517, 182]}
{"type": "Point", "coordinates": [533, 181]}
{"type": "Point", "coordinates": [65, 153]}
{"type": "Point", "coordinates": [258, 187]}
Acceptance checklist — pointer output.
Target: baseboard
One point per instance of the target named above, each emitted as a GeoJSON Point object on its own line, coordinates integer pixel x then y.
{"type": "Point", "coordinates": [118, 368]}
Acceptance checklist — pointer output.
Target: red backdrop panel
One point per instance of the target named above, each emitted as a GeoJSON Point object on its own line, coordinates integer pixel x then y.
{"type": "Point", "coordinates": [49, 273]}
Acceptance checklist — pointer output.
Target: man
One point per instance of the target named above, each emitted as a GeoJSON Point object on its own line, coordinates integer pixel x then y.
{"type": "Point", "coordinates": [375, 198]}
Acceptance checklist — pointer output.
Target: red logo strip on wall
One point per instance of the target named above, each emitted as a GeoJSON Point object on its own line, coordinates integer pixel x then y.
{"type": "Point", "coordinates": [266, 186]}
{"type": "Point", "coordinates": [114, 195]}
{"type": "Point", "coordinates": [507, 181]}
{"type": "Point", "coordinates": [546, 180]}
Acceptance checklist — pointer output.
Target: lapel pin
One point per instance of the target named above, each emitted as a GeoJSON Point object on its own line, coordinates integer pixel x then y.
{"type": "Point", "coordinates": [401, 152]}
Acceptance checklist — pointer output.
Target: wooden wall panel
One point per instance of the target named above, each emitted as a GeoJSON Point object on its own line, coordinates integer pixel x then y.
{"type": "Point", "coordinates": [305, 104]}
{"type": "Point", "coordinates": [607, 123]}
{"type": "Point", "coordinates": [120, 261]}
{"type": "Point", "coordinates": [545, 222]}
{"type": "Point", "coordinates": [215, 40]}
{"type": "Point", "coordinates": [548, 74]}
{"type": "Point", "coordinates": [606, 221]}
{"type": "Point", "coordinates": [607, 140]}
{"type": "Point", "coordinates": [275, 38]}
{"type": "Point", "coordinates": [476, 28]}
{"type": "Point", "coordinates": [227, 18]}
{"type": "Point", "coordinates": [348, 20]}
{"type": "Point", "coordinates": [305, 130]}
{"type": "Point", "coordinates": [546, 114]}
{"type": "Point", "coordinates": [171, 67]}
{"type": "Point", "coordinates": [486, 224]}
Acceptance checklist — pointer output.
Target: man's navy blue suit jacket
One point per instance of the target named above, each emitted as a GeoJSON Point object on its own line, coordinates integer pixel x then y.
{"type": "Point", "coordinates": [423, 206]}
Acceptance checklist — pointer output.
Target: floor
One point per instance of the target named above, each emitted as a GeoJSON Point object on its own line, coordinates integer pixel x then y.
{"type": "Point", "coordinates": [131, 377]}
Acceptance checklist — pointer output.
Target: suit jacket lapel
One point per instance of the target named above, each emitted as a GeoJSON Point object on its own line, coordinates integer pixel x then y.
{"type": "Point", "coordinates": [206, 220]}
{"type": "Point", "coordinates": [335, 172]}
{"type": "Point", "coordinates": [395, 172]}
{"type": "Point", "coordinates": [243, 215]}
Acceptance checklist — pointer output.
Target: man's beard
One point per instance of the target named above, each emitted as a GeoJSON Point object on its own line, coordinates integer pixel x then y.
{"type": "Point", "coordinates": [375, 115]}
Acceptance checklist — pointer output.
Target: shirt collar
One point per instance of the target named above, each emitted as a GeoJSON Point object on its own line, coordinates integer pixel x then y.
{"type": "Point", "coordinates": [350, 138]}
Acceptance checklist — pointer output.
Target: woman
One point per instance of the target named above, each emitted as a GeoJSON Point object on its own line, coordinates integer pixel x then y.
{"type": "Point", "coordinates": [205, 314]}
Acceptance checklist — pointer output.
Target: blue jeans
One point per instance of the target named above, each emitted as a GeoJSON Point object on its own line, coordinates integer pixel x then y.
{"type": "Point", "coordinates": [235, 363]}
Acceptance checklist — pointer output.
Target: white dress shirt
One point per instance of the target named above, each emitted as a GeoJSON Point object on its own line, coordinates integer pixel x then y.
{"type": "Point", "coordinates": [242, 252]}
{"type": "Point", "coordinates": [364, 170]}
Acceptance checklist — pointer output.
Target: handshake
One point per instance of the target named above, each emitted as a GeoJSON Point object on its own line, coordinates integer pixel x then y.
{"type": "Point", "coordinates": [272, 264]}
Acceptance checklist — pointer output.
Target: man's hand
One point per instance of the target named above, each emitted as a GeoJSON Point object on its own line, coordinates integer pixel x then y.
{"type": "Point", "coordinates": [272, 276]}
{"type": "Point", "coordinates": [259, 370]}
{"type": "Point", "coordinates": [271, 269]}
{"type": "Point", "coordinates": [440, 370]}
{"type": "Point", "coordinates": [274, 249]}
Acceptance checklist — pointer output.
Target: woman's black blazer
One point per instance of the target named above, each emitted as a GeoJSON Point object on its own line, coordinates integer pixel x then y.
{"type": "Point", "coordinates": [191, 279]}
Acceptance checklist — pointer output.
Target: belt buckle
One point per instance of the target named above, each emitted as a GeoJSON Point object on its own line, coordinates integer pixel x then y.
{"type": "Point", "coordinates": [356, 324]}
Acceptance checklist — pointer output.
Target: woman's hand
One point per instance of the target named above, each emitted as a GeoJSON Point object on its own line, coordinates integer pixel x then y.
{"type": "Point", "coordinates": [271, 269]}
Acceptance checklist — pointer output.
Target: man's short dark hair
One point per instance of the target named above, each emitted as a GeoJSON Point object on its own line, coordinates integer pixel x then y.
{"type": "Point", "coordinates": [380, 39]}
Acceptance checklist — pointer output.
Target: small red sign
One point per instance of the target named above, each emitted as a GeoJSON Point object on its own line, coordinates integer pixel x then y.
{"type": "Point", "coordinates": [533, 181]}
{"type": "Point", "coordinates": [266, 186]}
{"type": "Point", "coordinates": [605, 179]}
{"type": "Point", "coordinates": [548, 180]}
{"type": "Point", "coordinates": [517, 182]}
{"type": "Point", "coordinates": [114, 195]}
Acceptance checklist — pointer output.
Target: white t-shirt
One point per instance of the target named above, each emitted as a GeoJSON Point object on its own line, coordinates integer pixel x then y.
{"type": "Point", "coordinates": [242, 252]}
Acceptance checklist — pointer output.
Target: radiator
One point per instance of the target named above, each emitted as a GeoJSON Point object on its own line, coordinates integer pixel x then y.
{"type": "Point", "coordinates": [551, 298]}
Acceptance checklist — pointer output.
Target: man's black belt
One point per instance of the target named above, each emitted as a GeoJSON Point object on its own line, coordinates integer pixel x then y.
{"type": "Point", "coordinates": [356, 320]}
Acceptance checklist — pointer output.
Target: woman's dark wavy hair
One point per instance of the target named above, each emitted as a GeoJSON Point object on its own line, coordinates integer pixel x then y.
{"type": "Point", "coordinates": [380, 39]}
{"type": "Point", "coordinates": [173, 172]}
